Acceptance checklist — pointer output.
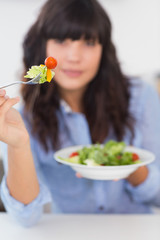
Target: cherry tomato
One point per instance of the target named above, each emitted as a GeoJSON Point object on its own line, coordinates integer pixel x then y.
{"type": "Point", "coordinates": [50, 62]}
{"type": "Point", "coordinates": [135, 156]}
{"type": "Point", "coordinates": [74, 154]}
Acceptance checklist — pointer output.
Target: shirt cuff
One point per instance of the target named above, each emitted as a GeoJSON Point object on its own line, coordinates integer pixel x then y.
{"type": "Point", "coordinates": [147, 190]}
{"type": "Point", "coordinates": [28, 214]}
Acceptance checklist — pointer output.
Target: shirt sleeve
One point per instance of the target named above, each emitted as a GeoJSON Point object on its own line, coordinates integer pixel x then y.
{"type": "Point", "coordinates": [149, 127]}
{"type": "Point", "coordinates": [26, 215]}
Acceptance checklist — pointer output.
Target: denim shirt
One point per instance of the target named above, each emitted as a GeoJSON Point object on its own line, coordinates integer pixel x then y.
{"type": "Point", "coordinates": [69, 194]}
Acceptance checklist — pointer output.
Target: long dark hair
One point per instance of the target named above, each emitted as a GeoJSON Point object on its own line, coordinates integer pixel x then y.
{"type": "Point", "coordinates": [106, 100]}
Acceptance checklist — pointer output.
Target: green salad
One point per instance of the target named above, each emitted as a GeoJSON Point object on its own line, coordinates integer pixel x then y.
{"type": "Point", "coordinates": [42, 69]}
{"type": "Point", "coordinates": [45, 71]}
{"type": "Point", "coordinates": [110, 154]}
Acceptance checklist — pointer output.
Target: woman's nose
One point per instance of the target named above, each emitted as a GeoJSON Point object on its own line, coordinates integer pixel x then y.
{"type": "Point", "coordinates": [74, 52]}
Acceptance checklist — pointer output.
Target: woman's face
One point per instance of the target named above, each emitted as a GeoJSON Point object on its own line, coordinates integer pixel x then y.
{"type": "Point", "coordinates": [78, 62]}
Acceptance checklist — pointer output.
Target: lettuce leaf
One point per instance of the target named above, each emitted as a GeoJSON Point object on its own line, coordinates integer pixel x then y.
{"type": "Point", "coordinates": [35, 70]}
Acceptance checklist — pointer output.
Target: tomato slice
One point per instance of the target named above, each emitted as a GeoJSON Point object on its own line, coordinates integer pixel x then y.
{"type": "Point", "coordinates": [74, 154]}
{"type": "Point", "coordinates": [135, 157]}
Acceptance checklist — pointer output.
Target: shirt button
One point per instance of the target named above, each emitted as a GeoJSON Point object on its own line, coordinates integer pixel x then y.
{"type": "Point", "coordinates": [101, 208]}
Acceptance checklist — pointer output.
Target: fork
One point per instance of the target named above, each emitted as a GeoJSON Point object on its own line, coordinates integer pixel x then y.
{"type": "Point", "coordinates": [32, 81]}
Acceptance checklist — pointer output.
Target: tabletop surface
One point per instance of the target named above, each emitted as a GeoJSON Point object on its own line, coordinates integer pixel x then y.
{"type": "Point", "coordinates": [84, 227]}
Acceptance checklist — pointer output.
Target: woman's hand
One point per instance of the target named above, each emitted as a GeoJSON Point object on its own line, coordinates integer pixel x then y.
{"type": "Point", "coordinates": [12, 128]}
{"type": "Point", "coordinates": [78, 175]}
{"type": "Point", "coordinates": [138, 177]}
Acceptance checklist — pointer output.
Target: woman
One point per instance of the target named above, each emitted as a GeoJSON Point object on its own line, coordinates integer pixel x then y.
{"type": "Point", "coordinates": [89, 101]}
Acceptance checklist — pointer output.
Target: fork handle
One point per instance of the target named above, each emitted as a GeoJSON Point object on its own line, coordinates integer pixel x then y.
{"type": "Point", "coordinates": [18, 82]}
{"type": "Point", "coordinates": [10, 84]}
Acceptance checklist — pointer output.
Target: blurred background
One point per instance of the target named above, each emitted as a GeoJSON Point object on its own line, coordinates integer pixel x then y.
{"type": "Point", "coordinates": [136, 35]}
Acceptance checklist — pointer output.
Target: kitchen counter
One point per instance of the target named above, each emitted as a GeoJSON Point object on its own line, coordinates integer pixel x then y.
{"type": "Point", "coordinates": [84, 227]}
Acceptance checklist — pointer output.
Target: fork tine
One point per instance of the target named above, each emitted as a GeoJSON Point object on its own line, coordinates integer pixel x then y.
{"type": "Point", "coordinates": [33, 80]}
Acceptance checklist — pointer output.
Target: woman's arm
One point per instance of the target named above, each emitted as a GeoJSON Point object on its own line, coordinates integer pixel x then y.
{"type": "Point", "coordinates": [21, 180]}
{"type": "Point", "coordinates": [22, 191]}
{"type": "Point", "coordinates": [143, 184]}
{"type": "Point", "coordinates": [138, 177]}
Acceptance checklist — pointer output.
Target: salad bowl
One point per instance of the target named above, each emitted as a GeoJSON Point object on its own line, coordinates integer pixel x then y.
{"type": "Point", "coordinates": [105, 172]}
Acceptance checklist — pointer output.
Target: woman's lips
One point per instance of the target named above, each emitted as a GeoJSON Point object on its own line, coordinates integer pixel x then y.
{"type": "Point", "coordinates": [72, 73]}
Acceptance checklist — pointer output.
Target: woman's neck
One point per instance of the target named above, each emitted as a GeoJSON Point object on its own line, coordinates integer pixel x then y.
{"type": "Point", "coordinates": [73, 99]}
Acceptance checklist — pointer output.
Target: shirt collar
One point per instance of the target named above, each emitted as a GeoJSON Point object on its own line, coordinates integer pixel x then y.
{"type": "Point", "coordinates": [65, 106]}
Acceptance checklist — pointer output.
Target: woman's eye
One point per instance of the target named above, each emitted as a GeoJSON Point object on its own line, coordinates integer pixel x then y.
{"type": "Point", "coordinates": [60, 41]}
{"type": "Point", "coordinates": [90, 42]}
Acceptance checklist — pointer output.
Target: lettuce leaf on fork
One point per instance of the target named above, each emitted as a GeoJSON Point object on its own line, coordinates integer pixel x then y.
{"type": "Point", "coordinates": [35, 70]}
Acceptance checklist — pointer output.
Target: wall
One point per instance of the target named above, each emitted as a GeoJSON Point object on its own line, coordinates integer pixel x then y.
{"type": "Point", "coordinates": [136, 33]}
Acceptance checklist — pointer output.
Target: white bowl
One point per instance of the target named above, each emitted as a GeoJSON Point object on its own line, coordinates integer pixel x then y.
{"type": "Point", "coordinates": [105, 172]}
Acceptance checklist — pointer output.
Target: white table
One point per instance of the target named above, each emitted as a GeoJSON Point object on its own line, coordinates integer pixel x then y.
{"type": "Point", "coordinates": [84, 227]}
